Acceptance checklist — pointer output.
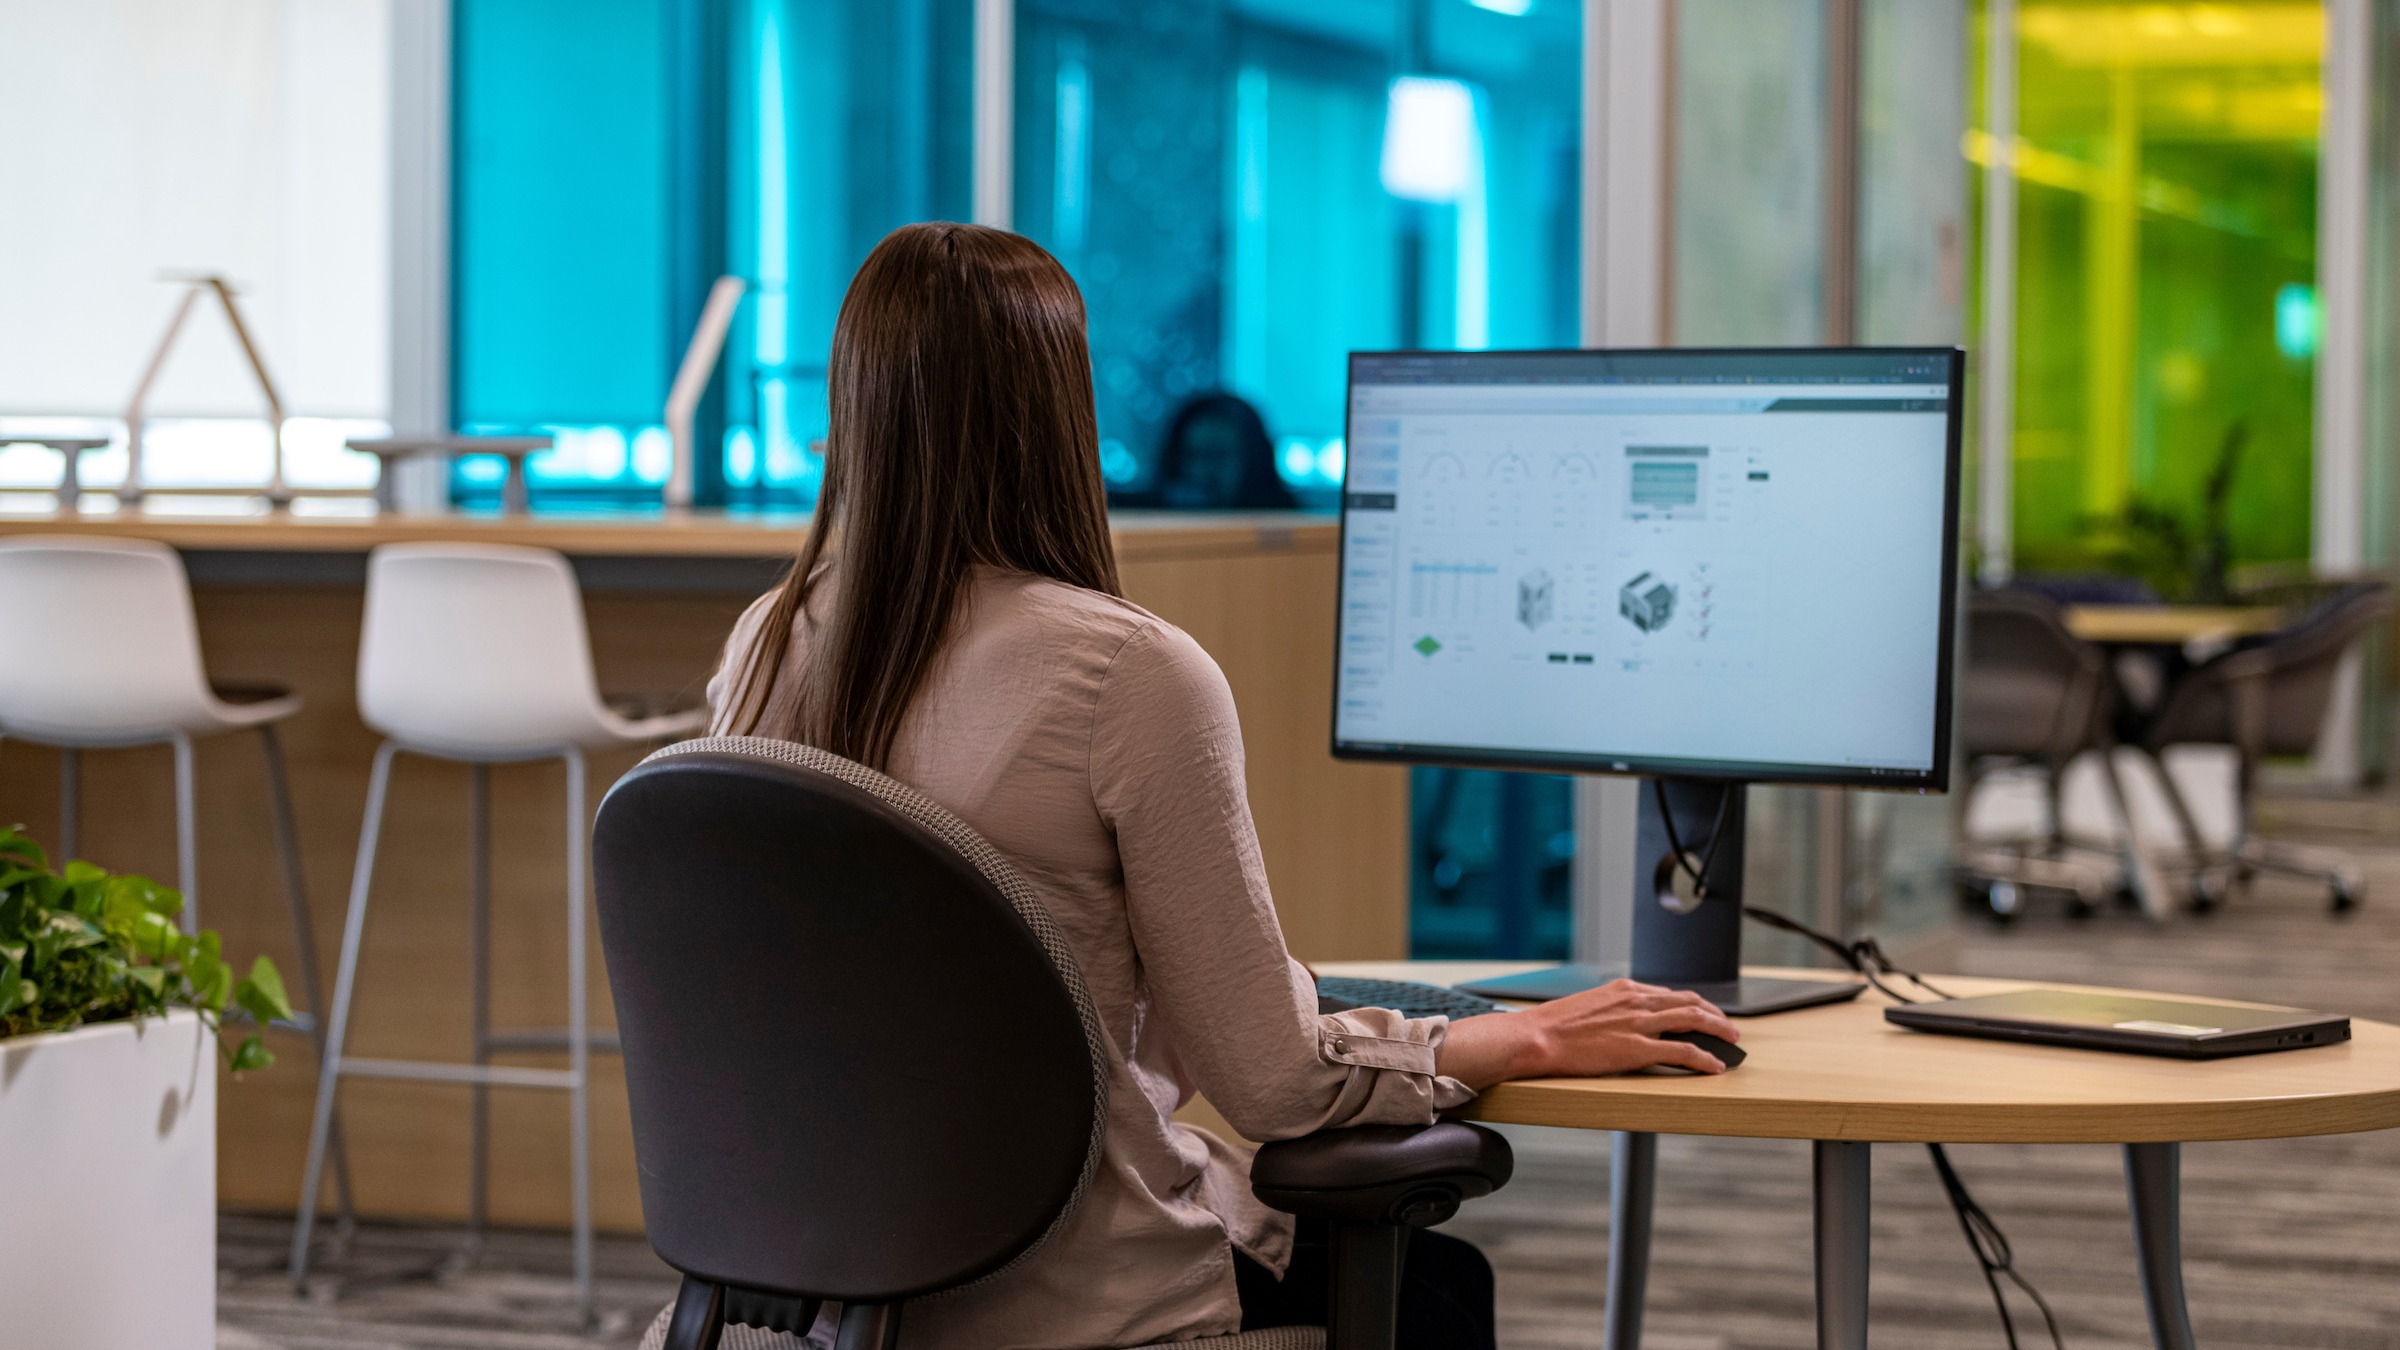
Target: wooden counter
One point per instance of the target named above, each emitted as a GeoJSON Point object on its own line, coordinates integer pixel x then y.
{"type": "Point", "coordinates": [278, 600]}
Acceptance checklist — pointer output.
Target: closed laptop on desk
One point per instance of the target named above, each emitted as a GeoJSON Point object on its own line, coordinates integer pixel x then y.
{"type": "Point", "coordinates": [2127, 1022]}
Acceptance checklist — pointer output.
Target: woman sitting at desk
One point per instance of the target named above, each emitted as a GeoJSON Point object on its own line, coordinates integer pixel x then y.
{"type": "Point", "coordinates": [956, 622]}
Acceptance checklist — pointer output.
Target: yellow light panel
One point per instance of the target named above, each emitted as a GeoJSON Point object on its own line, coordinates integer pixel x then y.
{"type": "Point", "coordinates": [2177, 35]}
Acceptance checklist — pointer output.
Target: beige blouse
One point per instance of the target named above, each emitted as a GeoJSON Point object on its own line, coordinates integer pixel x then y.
{"type": "Point", "coordinates": [1097, 747]}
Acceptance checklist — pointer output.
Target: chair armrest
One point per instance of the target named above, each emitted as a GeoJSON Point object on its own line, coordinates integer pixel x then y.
{"type": "Point", "coordinates": [1411, 1176]}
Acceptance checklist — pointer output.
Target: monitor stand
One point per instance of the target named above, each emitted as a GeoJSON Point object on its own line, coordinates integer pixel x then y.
{"type": "Point", "coordinates": [1681, 941]}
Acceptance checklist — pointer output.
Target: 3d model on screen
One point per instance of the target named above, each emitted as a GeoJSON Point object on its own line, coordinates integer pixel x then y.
{"type": "Point", "coordinates": [1647, 601]}
{"type": "Point", "coordinates": [1537, 598]}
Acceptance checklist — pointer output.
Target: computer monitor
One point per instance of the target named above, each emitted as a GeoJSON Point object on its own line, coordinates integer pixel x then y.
{"type": "Point", "coordinates": [1708, 567]}
{"type": "Point", "coordinates": [1696, 564]}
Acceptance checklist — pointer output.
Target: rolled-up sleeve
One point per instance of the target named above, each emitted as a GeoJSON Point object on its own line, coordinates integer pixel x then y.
{"type": "Point", "coordinates": [1167, 777]}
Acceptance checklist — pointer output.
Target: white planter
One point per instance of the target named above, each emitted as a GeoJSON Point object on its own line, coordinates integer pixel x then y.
{"type": "Point", "coordinates": [108, 1188]}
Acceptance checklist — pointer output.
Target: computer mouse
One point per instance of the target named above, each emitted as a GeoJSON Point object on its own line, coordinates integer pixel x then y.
{"type": "Point", "coordinates": [1727, 1053]}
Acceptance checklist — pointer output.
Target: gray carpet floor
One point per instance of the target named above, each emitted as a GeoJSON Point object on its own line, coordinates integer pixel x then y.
{"type": "Point", "coordinates": [2288, 1244]}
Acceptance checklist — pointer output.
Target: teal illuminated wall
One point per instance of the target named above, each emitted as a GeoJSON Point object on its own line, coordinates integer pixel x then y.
{"type": "Point", "coordinates": [560, 216]}
{"type": "Point", "coordinates": [613, 157]}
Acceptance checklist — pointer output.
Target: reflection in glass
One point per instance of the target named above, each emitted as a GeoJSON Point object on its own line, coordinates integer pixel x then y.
{"type": "Point", "coordinates": [849, 119]}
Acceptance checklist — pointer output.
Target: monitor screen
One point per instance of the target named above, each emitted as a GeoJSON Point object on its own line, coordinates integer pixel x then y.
{"type": "Point", "coordinates": [1717, 564]}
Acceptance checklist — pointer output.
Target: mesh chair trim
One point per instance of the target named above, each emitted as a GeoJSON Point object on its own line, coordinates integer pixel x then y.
{"type": "Point", "coordinates": [739, 1337]}
{"type": "Point", "coordinates": [961, 838]}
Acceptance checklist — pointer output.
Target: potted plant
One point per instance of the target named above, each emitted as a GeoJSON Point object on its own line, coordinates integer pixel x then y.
{"type": "Point", "coordinates": [108, 1150]}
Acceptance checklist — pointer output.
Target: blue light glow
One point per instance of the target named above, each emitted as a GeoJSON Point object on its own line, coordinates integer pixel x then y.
{"type": "Point", "coordinates": [1117, 463]}
{"type": "Point", "coordinates": [741, 457]}
{"type": "Point", "coordinates": [2298, 322]}
{"type": "Point", "coordinates": [1071, 192]}
{"type": "Point", "coordinates": [1308, 463]}
{"type": "Point", "coordinates": [1429, 139]}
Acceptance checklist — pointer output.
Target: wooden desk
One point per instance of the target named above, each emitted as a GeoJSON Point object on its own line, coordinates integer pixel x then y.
{"type": "Point", "coordinates": [2170, 625]}
{"type": "Point", "coordinates": [279, 601]}
{"type": "Point", "coordinates": [1847, 1079]}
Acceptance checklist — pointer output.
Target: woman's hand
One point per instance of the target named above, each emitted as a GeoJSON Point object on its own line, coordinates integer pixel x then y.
{"type": "Point", "coordinates": [1611, 1029]}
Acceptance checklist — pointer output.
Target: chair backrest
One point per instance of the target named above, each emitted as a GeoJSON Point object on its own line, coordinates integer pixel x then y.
{"type": "Point", "coordinates": [860, 1059]}
{"type": "Point", "coordinates": [2030, 688]}
{"type": "Point", "coordinates": [2085, 588]}
{"type": "Point", "coordinates": [2271, 698]}
{"type": "Point", "coordinates": [476, 648]}
{"type": "Point", "coordinates": [101, 640]}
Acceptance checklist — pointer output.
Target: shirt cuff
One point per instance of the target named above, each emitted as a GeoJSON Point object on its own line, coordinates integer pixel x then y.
{"type": "Point", "coordinates": [1450, 1094]}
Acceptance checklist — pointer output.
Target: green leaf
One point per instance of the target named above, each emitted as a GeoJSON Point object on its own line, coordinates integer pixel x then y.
{"type": "Point", "coordinates": [262, 995]}
{"type": "Point", "coordinates": [82, 945]}
{"type": "Point", "coordinates": [14, 843]}
{"type": "Point", "coordinates": [213, 992]}
{"type": "Point", "coordinates": [203, 959]}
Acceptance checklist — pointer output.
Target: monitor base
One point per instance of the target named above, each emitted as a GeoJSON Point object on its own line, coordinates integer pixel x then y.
{"type": "Point", "coordinates": [1756, 996]}
{"type": "Point", "coordinates": [1749, 996]}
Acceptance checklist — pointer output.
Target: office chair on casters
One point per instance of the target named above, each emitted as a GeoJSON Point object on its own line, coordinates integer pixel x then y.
{"type": "Point", "coordinates": [2032, 694]}
{"type": "Point", "coordinates": [2266, 699]}
{"type": "Point", "coordinates": [863, 1068]}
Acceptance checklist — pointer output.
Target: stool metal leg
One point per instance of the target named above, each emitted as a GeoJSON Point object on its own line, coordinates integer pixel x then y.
{"type": "Point", "coordinates": [1632, 1191]}
{"type": "Point", "coordinates": [579, 1046]}
{"type": "Point", "coordinates": [1843, 1199]}
{"type": "Point", "coordinates": [2153, 1179]}
{"type": "Point", "coordinates": [479, 1158]}
{"type": "Point", "coordinates": [187, 844]}
{"type": "Point", "coordinates": [329, 1070]}
{"type": "Point", "coordinates": [70, 802]}
{"type": "Point", "coordinates": [304, 938]}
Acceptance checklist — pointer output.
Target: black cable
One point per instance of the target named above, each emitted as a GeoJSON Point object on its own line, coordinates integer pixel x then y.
{"type": "Point", "coordinates": [1988, 1244]}
{"type": "Point", "coordinates": [1865, 956]}
{"type": "Point", "coordinates": [1991, 1250]}
{"type": "Point", "coordinates": [1716, 832]}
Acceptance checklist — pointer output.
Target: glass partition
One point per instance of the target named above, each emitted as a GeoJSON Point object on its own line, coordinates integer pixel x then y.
{"type": "Point", "coordinates": [1752, 107]}
{"type": "Point", "coordinates": [560, 262]}
{"type": "Point", "coordinates": [2166, 305]}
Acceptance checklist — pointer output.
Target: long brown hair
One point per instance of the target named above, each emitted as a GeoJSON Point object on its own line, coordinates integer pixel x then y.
{"type": "Point", "coordinates": [961, 433]}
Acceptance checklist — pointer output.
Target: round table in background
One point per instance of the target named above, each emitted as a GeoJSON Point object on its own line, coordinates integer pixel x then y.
{"type": "Point", "coordinates": [1846, 1079]}
{"type": "Point", "coordinates": [2169, 625]}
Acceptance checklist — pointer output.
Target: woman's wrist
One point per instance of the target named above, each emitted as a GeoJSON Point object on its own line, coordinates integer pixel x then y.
{"type": "Point", "coordinates": [1497, 1047]}
{"type": "Point", "coordinates": [1537, 1045]}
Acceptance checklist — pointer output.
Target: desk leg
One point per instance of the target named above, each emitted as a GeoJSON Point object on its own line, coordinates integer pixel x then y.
{"type": "Point", "coordinates": [1843, 1199]}
{"type": "Point", "coordinates": [2153, 1177]}
{"type": "Point", "coordinates": [1632, 1183]}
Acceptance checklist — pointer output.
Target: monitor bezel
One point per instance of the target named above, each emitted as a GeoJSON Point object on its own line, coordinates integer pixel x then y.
{"type": "Point", "coordinates": [1933, 779]}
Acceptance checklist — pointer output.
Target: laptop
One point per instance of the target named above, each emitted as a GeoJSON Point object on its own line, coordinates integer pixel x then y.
{"type": "Point", "coordinates": [2125, 1022]}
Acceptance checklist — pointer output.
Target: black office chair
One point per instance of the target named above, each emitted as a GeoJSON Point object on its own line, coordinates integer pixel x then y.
{"type": "Point", "coordinates": [2265, 699]}
{"type": "Point", "coordinates": [2032, 694]}
{"type": "Point", "coordinates": [863, 1067]}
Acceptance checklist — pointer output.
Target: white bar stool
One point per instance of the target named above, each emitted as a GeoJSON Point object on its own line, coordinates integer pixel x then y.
{"type": "Point", "coordinates": [477, 653]}
{"type": "Point", "coordinates": [104, 653]}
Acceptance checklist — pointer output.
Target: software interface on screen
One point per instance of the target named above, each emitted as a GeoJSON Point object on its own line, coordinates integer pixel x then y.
{"type": "Point", "coordinates": [1730, 558]}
